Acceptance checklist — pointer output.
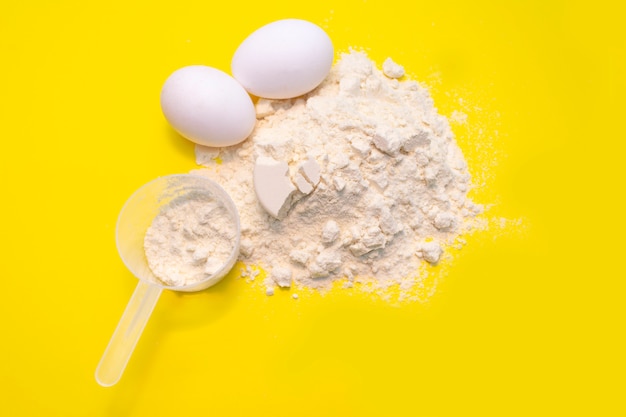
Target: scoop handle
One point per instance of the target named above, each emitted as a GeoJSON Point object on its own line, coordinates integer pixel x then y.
{"type": "Point", "coordinates": [127, 333]}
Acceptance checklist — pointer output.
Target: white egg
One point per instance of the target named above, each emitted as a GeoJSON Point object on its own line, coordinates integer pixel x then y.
{"type": "Point", "coordinates": [207, 106]}
{"type": "Point", "coordinates": [283, 59]}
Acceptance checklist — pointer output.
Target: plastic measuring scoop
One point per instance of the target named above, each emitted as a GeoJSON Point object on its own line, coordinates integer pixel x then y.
{"type": "Point", "coordinates": [133, 221]}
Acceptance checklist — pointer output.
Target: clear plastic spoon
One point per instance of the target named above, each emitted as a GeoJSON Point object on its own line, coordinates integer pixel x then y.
{"type": "Point", "coordinates": [133, 221]}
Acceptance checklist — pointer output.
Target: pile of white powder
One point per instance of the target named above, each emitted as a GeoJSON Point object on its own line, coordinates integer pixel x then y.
{"type": "Point", "coordinates": [190, 240]}
{"type": "Point", "coordinates": [392, 190]}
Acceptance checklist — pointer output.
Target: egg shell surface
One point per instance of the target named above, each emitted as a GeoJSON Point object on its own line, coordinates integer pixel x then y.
{"type": "Point", "coordinates": [283, 59]}
{"type": "Point", "coordinates": [207, 106]}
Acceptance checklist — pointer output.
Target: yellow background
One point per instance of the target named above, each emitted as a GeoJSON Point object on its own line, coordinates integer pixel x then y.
{"type": "Point", "coordinates": [528, 319]}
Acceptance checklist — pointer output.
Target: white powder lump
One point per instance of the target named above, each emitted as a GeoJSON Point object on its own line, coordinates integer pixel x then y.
{"type": "Point", "coordinates": [431, 251]}
{"type": "Point", "coordinates": [392, 70]}
{"type": "Point", "coordinates": [330, 232]}
{"type": "Point", "coordinates": [376, 183]}
{"type": "Point", "coordinates": [281, 276]}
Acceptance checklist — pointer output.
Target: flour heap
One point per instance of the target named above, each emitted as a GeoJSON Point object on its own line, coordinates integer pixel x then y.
{"type": "Point", "coordinates": [391, 186]}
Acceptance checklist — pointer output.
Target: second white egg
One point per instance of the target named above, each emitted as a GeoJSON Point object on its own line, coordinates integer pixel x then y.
{"type": "Point", "coordinates": [283, 59]}
{"type": "Point", "coordinates": [207, 106]}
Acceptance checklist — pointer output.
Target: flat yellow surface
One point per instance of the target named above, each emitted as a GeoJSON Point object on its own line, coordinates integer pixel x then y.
{"type": "Point", "coordinates": [528, 319]}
